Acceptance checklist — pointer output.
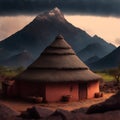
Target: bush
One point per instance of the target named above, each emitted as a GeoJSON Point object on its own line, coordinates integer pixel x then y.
{"type": "Point", "coordinates": [10, 72]}
{"type": "Point", "coordinates": [106, 76]}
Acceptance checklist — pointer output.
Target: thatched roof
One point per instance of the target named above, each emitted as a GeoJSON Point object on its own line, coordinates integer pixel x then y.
{"type": "Point", "coordinates": [58, 63]}
{"type": "Point", "coordinates": [58, 75]}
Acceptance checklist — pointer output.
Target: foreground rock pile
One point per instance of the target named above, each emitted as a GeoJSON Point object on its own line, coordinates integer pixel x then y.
{"type": "Point", "coordinates": [67, 115]}
{"type": "Point", "coordinates": [111, 104]}
{"type": "Point", "coordinates": [7, 113]}
{"type": "Point", "coordinates": [108, 110]}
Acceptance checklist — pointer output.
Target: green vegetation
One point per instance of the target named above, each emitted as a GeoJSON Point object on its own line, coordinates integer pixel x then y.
{"type": "Point", "coordinates": [111, 74]}
{"type": "Point", "coordinates": [116, 74]}
{"type": "Point", "coordinates": [10, 72]}
{"type": "Point", "coordinates": [106, 76]}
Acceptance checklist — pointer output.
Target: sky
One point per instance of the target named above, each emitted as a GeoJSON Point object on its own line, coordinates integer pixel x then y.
{"type": "Point", "coordinates": [101, 17]}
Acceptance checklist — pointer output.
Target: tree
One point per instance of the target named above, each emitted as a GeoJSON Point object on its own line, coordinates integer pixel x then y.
{"type": "Point", "coordinates": [116, 74]}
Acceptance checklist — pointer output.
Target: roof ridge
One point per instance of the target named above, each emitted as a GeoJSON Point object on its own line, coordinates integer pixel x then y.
{"type": "Point", "coordinates": [58, 63]}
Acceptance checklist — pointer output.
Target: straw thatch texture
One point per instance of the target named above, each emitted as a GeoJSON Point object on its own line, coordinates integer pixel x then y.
{"type": "Point", "coordinates": [59, 55]}
{"type": "Point", "coordinates": [58, 75]}
{"type": "Point", "coordinates": [56, 51]}
{"type": "Point", "coordinates": [60, 43]}
{"type": "Point", "coordinates": [58, 63]}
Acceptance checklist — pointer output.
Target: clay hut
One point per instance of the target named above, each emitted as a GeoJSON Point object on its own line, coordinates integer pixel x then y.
{"type": "Point", "coordinates": [57, 74]}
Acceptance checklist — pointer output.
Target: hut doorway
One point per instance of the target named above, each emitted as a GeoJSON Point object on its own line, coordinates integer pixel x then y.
{"type": "Point", "coordinates": [82, 91]}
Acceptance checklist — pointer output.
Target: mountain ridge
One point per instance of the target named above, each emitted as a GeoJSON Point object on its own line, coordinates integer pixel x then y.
{"type": "Point", "coordinates": [39, 33]}
{"type": "Point", "coordinates": [110, 61]}
{"type": "Point", "coordinates": [22, 59]}
{"type": "Point", "coordinates": [93, 49]}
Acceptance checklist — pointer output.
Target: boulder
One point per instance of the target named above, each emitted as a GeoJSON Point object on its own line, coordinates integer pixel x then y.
{"type": "Point", "coordinates": [111, 104]}
{"type": "Point", "coordinates": [36, 113]}
{"type": "Point", "coordinates": [64, 114]}
{"type": "Point", "coordinates": [7, 113]}
{"type": "Point", "coordinates": [111, 115]}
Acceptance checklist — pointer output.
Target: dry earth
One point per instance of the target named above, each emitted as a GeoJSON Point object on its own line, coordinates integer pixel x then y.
{"type": "Point", "coordinates": [19, 106]}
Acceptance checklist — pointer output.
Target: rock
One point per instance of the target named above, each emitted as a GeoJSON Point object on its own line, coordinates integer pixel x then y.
{"type": "Point", "coordinates": [60, 114]}
{"type": "Point", "coordinates": [98, 94]}
{"type": "Point", "coordinates": [7, 113]}
{"type": "Point", "coordinates": [65, 115]}
{"type": "Point", "coordinates": [112, 115]}
{"type": "Point", "coordinates": [113, 103]}
{"type": "Point", "coordinates": [36, 113]}
{"type": "Point", "coordinates": [80, 110]}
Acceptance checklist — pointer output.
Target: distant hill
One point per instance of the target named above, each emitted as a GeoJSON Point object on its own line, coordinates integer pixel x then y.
{"type": "Point", "coordinates": [94, 49]}
{"type": "Point", "coordinates": [112, 60]}
{"type": "Point", "coordinates": [92, 60]}
{"type": "Point", "coordinates": [38, 34]}
{"type": "Point", "coordinates": [22, 59]}
{"type": "Point", "coordinates": [108, 46]}
{"type": "Point", "coordinates": [98, 47]}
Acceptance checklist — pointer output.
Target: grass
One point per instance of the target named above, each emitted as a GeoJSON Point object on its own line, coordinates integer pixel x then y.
{"type": "Point", "coordinates": [106, 77]}
{"type": "Point", "coordinates": [10, 72]}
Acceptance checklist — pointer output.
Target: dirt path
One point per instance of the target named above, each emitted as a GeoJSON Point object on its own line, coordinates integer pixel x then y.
{"type": "Point", "coordinates": [22, 106]}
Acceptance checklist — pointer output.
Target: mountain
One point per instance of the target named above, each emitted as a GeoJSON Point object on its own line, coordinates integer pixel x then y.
{"type": "Point", "coordinates": [94, 49]}
{"type": "Point", "coordinates": [4, 54]}
{"type": "Point", "coordinates": [38, 34]}
{"type": "Point", "coordinates": [109, 46]}
{"type": "Point", "coordinates": [22, 59]}
{"type": "Point", "coordinates": [99, 49]}
{"type": "Point", "coordinates": [92, 60]}
{"type": "Point", "coordinates": [112, 60]}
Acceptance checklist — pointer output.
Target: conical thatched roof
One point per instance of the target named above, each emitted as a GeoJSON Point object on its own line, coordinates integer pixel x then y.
{"type": "Point", "coordinates": [58, 63]}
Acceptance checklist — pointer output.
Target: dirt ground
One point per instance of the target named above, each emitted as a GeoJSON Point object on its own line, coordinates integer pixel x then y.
{"type": "Point", "coordinates": [22, 106]}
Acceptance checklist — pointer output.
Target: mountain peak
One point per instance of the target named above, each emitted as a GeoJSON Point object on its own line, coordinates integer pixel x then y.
{"type": "Point", "coordinates": [25, 53]}
{"type": "Point", "coordinates": [54, 13]}
{"type": "Point", "coordinates": [95, 36]}
{"type": "Point", "coordinates": [56, 10]}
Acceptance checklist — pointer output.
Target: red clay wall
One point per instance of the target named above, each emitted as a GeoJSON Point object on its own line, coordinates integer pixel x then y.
{"type": "Point", "coordinates": [93, 87]}
{"type": "Point", "coordinates": [30, 89]}
{"type": "Point", "coordinates": [54, 92]}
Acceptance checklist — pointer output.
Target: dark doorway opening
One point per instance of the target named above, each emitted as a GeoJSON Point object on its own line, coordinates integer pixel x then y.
{"type": "Point", "coordinates": [82, 91]}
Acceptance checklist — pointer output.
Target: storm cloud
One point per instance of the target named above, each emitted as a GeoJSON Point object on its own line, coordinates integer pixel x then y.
{"type": "Point", "coordinates": [91, 7]}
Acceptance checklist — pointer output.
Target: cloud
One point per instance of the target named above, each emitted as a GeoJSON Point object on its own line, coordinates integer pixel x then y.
{"type": "Point", "coordinates": [93, 7]}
